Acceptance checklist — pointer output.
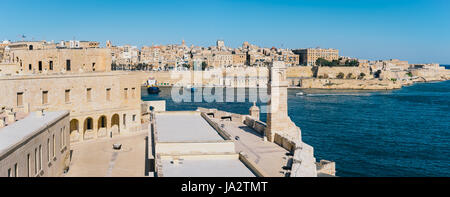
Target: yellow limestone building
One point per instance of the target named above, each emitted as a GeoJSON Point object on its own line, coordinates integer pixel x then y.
{"type": "Point", "coordinates": [101, 104]}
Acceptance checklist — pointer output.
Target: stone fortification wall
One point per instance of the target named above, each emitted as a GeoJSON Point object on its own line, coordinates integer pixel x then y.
{"type": "Point", "coordinates": [432, 74]}
{"type": "Point", "coordinates": [332, 72]}
{"type": "Point", "coordinates": [299, 71]}
{"type": "Point", "coordinates": [374, 84]}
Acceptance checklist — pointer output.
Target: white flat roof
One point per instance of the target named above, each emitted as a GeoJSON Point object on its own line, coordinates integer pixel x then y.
{"type": "Point", "coordinates": [208, 167]}
{"type": "Point", "coordinates": [184, 127]}
{"type": "Point", "coordinates": [23, 129]}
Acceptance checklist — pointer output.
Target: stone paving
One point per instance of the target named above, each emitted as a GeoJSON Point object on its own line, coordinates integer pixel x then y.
{"type": "Point", "coordinates": [270, 157]}
{"type": "Point", "coordinates": [98, 159]}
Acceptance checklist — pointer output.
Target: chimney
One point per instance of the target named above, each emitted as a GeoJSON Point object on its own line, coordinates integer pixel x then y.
{"type": "Point", "coordinates": [2, 122]}
{"type": "Point", "coordinates": [11, 117]}
{"type": "Point", "coordinates": [26, 108]}
{"type": "Point", "coordinates": [40, 113]}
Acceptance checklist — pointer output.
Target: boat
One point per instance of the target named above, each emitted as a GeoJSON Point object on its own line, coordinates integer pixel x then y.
{"type": "Point", "coordinates": [152, 88]}
{"type": "Point", "coordinates": [300, 94]}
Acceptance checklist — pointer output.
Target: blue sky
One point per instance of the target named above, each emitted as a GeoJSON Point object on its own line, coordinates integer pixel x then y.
{"type": "Point", "coordinates": [414, 30]}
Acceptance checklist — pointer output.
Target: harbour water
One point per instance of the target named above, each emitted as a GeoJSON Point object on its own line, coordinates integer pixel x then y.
{"type": "Point", "coordinates": [394, 133]}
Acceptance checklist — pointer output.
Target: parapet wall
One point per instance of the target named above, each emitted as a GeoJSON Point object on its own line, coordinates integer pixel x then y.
{"type": "Point", "coordinates": [256, 125]}
{"type": "Point", "coordinates": [222, 114]}
{"type": "Point", "coordinates": [219, 130]}
{"type": "Point", "coordinates": [326, 167]}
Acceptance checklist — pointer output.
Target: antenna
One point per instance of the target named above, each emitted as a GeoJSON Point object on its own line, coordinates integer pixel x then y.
{"type": "Point", "coordinates": [22, 36]}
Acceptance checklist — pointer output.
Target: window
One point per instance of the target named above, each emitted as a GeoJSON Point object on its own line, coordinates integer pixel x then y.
{"type": "Point", "coordinates": [68, 65]}
{"type": "Point", "coordinates": [54, 147]}
{"type": "Point", "coordinates": [16, 170]}
{"type": "Point", "coordinates": [28, 165]}
{"type": "Point", "coordinates": [108, 94]}
{"type": "Point", "coordinates": [30, 66]}
{"type": "Point", "coordinates": [62, 139]}
{"type": "Point", "coordinates": [40, 65]}
{"type": "Point", "coordinates": [44, 97]}
{"type": "Point", "coordinates": [50, 65]}
{"type": "Point", "coordinates": [89, 94]}
{"type": "Point", "coordinates": [103, 122]}
{"type": "Point", "coordinates": [133, 90]}
{"type": "Point", "coordinates": [125, 93]}
{"type": "Point", "coordinates": [40, 157]}
{"type": "Point", "coordinates": [48, 150]}
{"type": "Point", "coordinates": [19, 99]}
{"type": "Point", "coordinates": [134, 117]}
{"type": "Point", "coordinates": [89, 124]}
{"type": "Point", "coordinates": [9, 173]}
{"type": "Point", "coordinates": [124, 119]}
{"type": "Point", "coordinates": [35, 160]}
{"type": "Point", "coordinates": [67, 96]}
{"type": "Point", "coordinates": [93, 66]}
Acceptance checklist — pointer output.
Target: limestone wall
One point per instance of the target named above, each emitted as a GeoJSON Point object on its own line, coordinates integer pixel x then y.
{"type": "Point", "coordinates": [432, 74]}
{"type": "Point", "coordinates": [158, 106]}
{"type": "Point", "coordinates": [389, 75]}
{"type": "Point", "coordinates": [326, 167]}
{"type": "Point", "coordinates": [374, 84]}
{"type": "Point", "coordinates": [332, 72]}
{"type": "Point", "coordinates": [304, 164]}
{"type": "Point", "coordinates": [101, 104]}
{"type": "Point", "coordinates": [299, 71]}
{"type": "Point", "coordinates": [256, 125]}
{"type": "Point", "coordinates": [9, 69]}
{"type": "Point", "coordinates": [55, 60]}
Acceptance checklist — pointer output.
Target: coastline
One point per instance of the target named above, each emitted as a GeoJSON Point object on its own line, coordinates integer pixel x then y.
{"type": "Point", "coordinates": [373, 88]}
{"type": "Point", "coordinates": [301, 77]}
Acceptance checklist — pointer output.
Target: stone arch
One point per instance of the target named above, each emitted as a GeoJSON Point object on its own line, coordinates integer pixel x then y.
{"type": "Point", "coordinates": [74, 130]}
{"type": "Point", "coordinates": [280, 76]}
{"type": "Point", "coordinates": [102, 126]}
{"type": "Point", "coordinates": [115, 124]}
{"type": "Point", "coordinates": [102, 121]}
{"type": "Point", "coordinates": [88, 128]}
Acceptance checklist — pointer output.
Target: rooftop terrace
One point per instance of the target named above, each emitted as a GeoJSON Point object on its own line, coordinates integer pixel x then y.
{"type": "Point", "coordinates": [184, 127]}
{"type": "Point", "coordinates": [218, 166]}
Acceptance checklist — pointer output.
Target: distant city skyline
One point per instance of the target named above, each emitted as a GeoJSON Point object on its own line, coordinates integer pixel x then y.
{"type": "Point", "coordinates": [414, 30]}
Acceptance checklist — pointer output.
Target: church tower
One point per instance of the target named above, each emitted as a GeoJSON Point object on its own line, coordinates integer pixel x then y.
{"type": "Point", "coordinates": [108, 44]}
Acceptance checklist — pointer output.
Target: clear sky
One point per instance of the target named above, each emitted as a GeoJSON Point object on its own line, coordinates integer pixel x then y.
{"type": "Point", "coordinates": [414, 30]}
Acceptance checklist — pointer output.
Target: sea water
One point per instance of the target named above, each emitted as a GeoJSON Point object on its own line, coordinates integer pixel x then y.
{"type": "Point", "coordinates": [393, 133]}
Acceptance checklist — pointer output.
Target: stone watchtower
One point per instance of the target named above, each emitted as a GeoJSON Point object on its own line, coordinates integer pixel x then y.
{"type": "Point", "coordinates": [254, 111]}
{"type": "Point", "coordinates": [281, 130]}
{"type": "Point", "coordinates": [278, 120]}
